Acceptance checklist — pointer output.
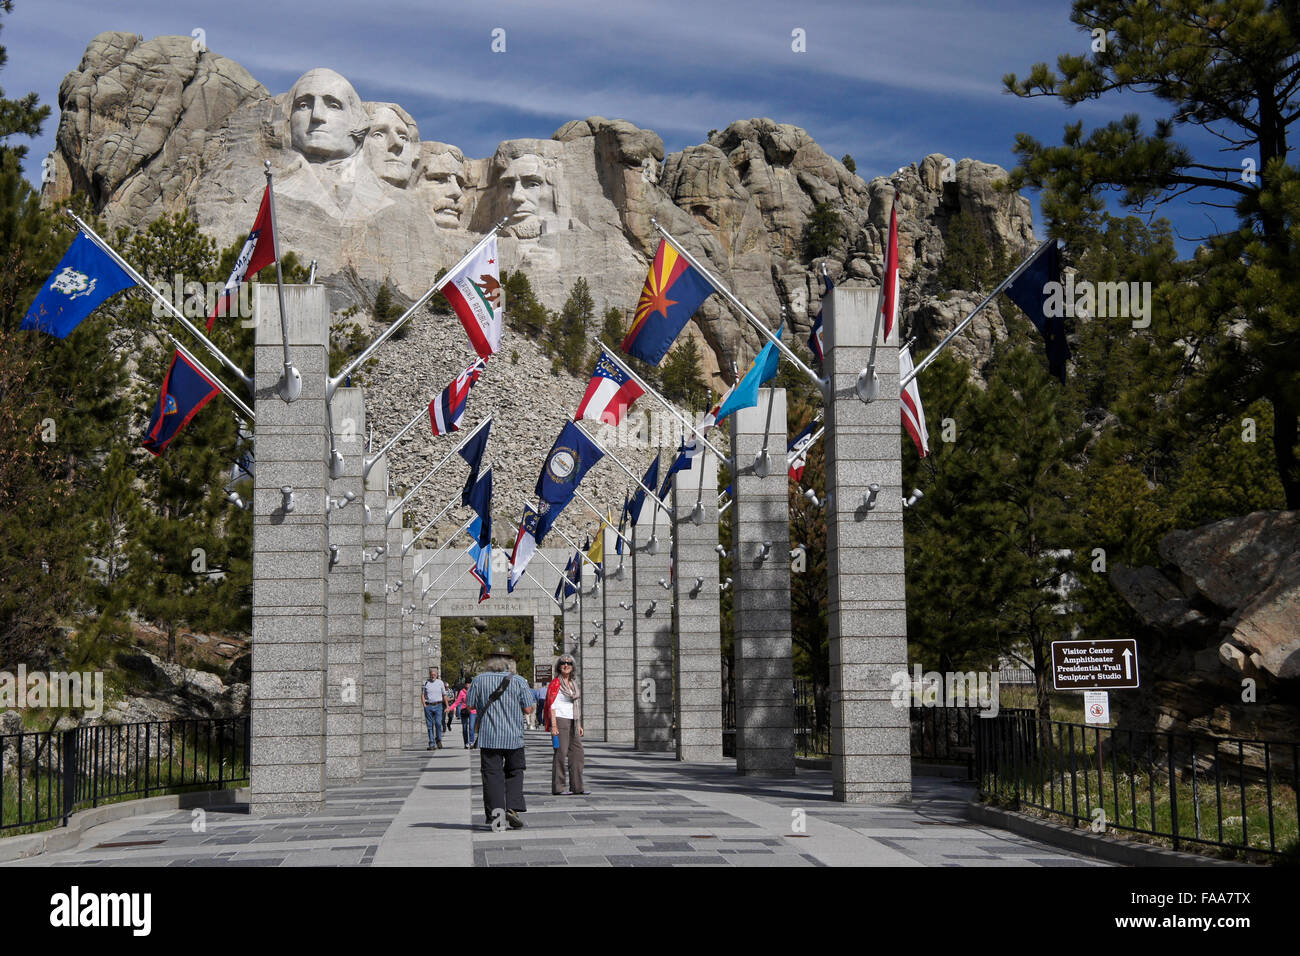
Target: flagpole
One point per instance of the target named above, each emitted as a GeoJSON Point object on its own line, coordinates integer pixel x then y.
{"type": "Point", "coordinates": [385, 335]}
{"type": "Point", "coordinates": [872, 382]}
{"type": "Point", "coordinates": [290, 385]}
{"type": "Point", "coordinates": [372, 459]}
{"type": "Point", "coordinates": [451, 454]}
{"type": "Point", "coordinates": [170, 307]}
{"type": "Point", "coordinates": [449, 587]}
{"type": "Point", "coordinates": [604, 523]}
{"type": "Point", "coordinates": [225, 389]}
{"type": "Point", "coordinates": [967, 321]}
{"type": "Point", "coordinates": [667, 404]}
{"type": "Point", "coordinates": [726, 294]}
{"type": "Point", "coordinates": [620, 464]}
{"type": "Point", "coordinates": [430, 585]}
{"type": "Point", "coordinates": [443, 547]}
{"type": "Point", "coordinates": [576, 547]}
{"type": "Point", "coordinates": [538, 551]}
{"type": "Point", "coordinates": [420, 534]}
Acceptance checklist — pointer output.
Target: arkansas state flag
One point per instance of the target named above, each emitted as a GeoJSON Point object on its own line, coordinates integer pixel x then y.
{"type": "Point", "coordinates": [185, 390]}
{"type": "Point", "coordinates": [257, 254]}
{"type": "Point", "coordinates": [609, 393]}
{"type": "Point", "coordinates": [913, 413]}
{"type": "Point", "coordinates": [446, 411]}
{"type": "Point", "coordinates": [673, 291]}
{"type": "Point", "coordinates": [475, 293]}
{"type": "Point", "coordinates": [889, 294]}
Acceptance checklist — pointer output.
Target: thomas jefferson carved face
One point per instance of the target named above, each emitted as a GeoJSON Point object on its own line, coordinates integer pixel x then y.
{"type": "Point", "coordinates": [530, 196]}
{"type": "Point", "coordinates": [390, 147]}
{"type": "Point", "coordinates": [326, 119]}
{"type": "Point", "coordinates": [442, 179]}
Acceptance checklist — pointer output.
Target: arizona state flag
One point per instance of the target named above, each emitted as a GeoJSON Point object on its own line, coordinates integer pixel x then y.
{"type": "Point", "coordinates": [185, 390]}
{"type": "Point", "coordinates": [673, 291]}
{"type": "Point", "coordinates": [475, 293]}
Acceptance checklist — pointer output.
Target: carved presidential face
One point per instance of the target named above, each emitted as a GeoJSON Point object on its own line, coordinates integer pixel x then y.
{"type": "Point", "coordinates": [325, 116]}
{"type": "Point", "coordinates": [442, 178]}
{"type": "Point", "coordinates": [390, 147]}
{"type": "Point", "coordinates": [530, 196]}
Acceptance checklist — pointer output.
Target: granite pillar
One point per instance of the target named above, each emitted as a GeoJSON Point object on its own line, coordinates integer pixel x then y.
{"type": "Point", "coordinates": [697, 622]}
{"type": "Point", "coordinates": [374, 648]}
{"type": "Point", "coordinates": [620, 709]}
{"type": "Point", "coordinates": [653, 634]}
{"type": "Point", "coordinates": [396, 700]}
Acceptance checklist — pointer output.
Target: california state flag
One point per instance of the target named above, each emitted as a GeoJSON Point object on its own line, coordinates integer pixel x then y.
{"type": "Point", "coordinates": [475, 293]}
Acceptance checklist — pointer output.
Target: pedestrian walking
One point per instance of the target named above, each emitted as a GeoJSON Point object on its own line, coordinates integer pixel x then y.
{"type": "Point", "coordinates": [501, 699]}
{"type": "Point", "coordinates": [435, 698]}
{"type": "Point", "coordinates": [563, 719]}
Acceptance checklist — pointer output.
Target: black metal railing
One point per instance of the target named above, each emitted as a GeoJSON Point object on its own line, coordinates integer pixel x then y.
{"type": "Point", "coordinates": [947, 734]}
{"type": "Point", "coordinates": [812, 720]}
{"type": "Point", "coordinates": [45, 777]}
{"type": "Point", "coordinates": [1177, 788]}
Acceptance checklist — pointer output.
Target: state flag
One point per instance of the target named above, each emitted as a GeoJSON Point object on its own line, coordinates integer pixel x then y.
{"type": "Point", "coordinates": [673, 291]}
{"type": "Point", "coordinates": [797, 453]}
{"type": "Point", "coordinates": [682, 461]}
{"type": "Point", "coordinates": [568, 461]}
{"type": "Point", "coordinates": [472, 452]}
{"type": "Point", "coordinates": [185, 390]}
{"type": "Point", "coordinates": [475, 293]}
{"type": "Point", "coordinates": [447, 410]}
{"type": "Point", "coordinates": [648, 482]}
{"type": "Point", "coordinates": [889, 281]}
{"type": "Point", "coordinates": [609, 393]}
{"type": "Point", "coordinates": [622, 525]}
{"type": "Point", "coordinates": [525, 548]}
{"type": "Point", "coordinates": [83, 279]}
{"type": "Point", "coordinates": [480, 499]}
{"type": "Point", "coordinates": [745, 394]}
{"type": "Point", "coordinates": [547, 514]}
{"type": "Point", "coordinates": [913, 413]}
{"type": "Point", "coordinates": [815, 337]}
{"type": "Point", "coordinates": [1031, 292]}
{"type": "Point", "coordinates": [482, 557]}
{"type": "Point", "coordinates": [257, 253]}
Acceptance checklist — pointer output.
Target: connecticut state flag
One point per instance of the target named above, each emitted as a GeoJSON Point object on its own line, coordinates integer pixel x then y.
{"type": "Point", "coordinates": [475, 293]}
{"type": "Point", "coordinates": [673, 291]}
{"type": "Point", "coordinates": [185, 390]}
{"type": "Point", "coordinates": [83, 279]}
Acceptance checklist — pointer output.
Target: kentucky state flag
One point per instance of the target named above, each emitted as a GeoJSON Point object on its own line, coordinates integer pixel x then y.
{"type": "Point", "coordinates": [185, 390]}
{"type": "Point", "coordinates": [569, 459]}
{"type": "Point", "coordinates": [673, 291]}
{"type": "Point", "coordinates": [83, 279]}
{"type": "Point", "coordinates": [475, 293]}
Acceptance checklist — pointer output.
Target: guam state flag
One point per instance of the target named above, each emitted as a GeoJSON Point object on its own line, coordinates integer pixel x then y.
{"type": "Point", "coordinates": [185, 390]}
{"type": "Point", "coordinates": [673, 291]}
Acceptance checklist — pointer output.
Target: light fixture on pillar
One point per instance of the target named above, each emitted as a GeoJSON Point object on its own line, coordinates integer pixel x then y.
{"type": "Point", "coordinates": [764, 550]}
{"type": "Point", "coordinates": [336, 463]}
{"type": "Point", "coordinates": [618, 628]}
{"type": "Point", "coordinates": [725, 585]}
{"type": "Point", "coordinates": [722, 552]}
{"type": "Point", "coordinates": [618, 572]}
{"type": "Point", "coordinates": [334, 555]}
{"type": "Point", "coordinates": [917, 495]}
{"type": "Point", "coordinates": [624, 605]}
{"type": "Point", "coordinates": [652, 546]}
{"type": "Point", "coordinates": [651, 608]}
{"type": "Point", "coordinates": [598, 624]}
{"type": "Point", "coordinates": [665, 584]}
{"type": "Point", "coordinates": [347, 499]}
{"type": "Point", "coordinates": [699, 586]}
{"type": "Point", "coordinates": [869, 499]}
{"type": "Point", "coordinates": [697, 513]}
{"type": "Point", "coordinates": [286, 504]}
{"type": "Point", "coordinates": [763, 464]}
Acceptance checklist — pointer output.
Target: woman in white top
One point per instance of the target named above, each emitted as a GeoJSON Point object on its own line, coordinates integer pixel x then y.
{"type": "Point", "coordinates": [563, 721]}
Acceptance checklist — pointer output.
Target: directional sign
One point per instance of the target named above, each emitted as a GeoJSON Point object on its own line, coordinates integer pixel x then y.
{"type": "Point", "coordinates": [1094, 665]}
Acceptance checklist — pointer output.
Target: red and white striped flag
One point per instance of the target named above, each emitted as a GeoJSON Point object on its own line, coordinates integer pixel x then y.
{"type": "Point", "coordinates": [257, 254]}
{"type": "Point", "coordinates": [446, 411]}
{"type": "Point", "coordinates": [889, 292]}
{"type": "Point", "coordinates": [913, 413]}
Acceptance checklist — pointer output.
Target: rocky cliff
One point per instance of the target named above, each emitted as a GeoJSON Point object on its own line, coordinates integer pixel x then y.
{"type": "Point", "coordinates": [155, 126]}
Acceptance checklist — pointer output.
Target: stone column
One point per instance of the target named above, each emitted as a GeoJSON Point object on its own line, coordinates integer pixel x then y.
{"type": "Point", "coordinates": [290, 556]}
{"type": "Point", "coordinates": [373, 651]}
{"type": "Point", "coordinates": [620, 710]}
{"type": "Point", "coordinates": [543, 636]}
{"type": "Point", "coordinates": [764, 667]}
{"type": "Point", "coordinates": [593, 656]}
{"type": "Point", "coordinates": [396, 701]}
{"type": "Point", "coordinates": [411, 676]}
{"type": "Point", "coordinates": [870, 748]}
{"type": "Point", "coordinates": [697, 621]}
{"type": "Point", "coordinates": [653, 636]}
{"type": "Point", "coordinates": [345, 681]}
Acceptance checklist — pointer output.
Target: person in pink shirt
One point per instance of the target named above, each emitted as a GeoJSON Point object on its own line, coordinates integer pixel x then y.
{"type": "Point", "coordinates": [466, 717]}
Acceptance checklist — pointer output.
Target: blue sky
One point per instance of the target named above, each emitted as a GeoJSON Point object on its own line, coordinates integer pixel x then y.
{"type": "Point", "coordinates": [886, 82]}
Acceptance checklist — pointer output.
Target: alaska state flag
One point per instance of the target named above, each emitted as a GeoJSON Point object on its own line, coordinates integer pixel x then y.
{"type": "Point", "coordinates": [1030, 292]}
{"type": "Point", "coordinates": [673, 291]}
{"type": "Point", "coordinates": [185, 390]}
{"type": "Point", "coordinates": [83, 279]}
{"type": "Point", "coordinates": [570, 458]}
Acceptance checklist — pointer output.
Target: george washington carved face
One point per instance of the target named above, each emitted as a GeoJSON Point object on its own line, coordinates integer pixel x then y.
{"type": "Point", "coordinates": [391, 145]}
{"type": "Point", "coordinates": [326, 118]}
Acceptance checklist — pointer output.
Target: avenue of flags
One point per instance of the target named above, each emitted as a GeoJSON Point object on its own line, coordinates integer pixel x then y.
{"type": "Point", "coordinates": [675, 287]}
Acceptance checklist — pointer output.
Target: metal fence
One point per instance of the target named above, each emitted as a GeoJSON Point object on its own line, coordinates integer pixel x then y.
{"type": "Point", "coordinates": [45, 777]}
{"type": "Point", "coordinates": [1228, 793]}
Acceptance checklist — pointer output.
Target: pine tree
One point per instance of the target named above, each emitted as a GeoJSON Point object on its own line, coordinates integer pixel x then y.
{"type": "Point", "coordinates": [567, 336]}
{"type": "Point", "coordinates": [683, 374]}
{"type": "Point", "coordinates": [823, 231]}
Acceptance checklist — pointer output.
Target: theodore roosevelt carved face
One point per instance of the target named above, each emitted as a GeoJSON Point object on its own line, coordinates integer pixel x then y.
{"type": "Point", "coordinates": [442, 179]}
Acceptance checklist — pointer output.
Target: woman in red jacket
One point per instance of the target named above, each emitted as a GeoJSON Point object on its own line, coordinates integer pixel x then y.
{"type": "Point", "coordinates": [561, 717]}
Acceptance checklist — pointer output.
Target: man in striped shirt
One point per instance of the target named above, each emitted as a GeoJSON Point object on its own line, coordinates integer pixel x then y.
{"type": "Point", "coordinates": [501, 736]}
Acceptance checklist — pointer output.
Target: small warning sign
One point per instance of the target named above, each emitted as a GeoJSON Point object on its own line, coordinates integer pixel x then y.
{"type": "Point", "coordinates": [1096, 707]}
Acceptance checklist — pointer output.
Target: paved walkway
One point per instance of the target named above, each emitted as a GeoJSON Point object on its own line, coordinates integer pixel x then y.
{"type": "Point", "coordinates": [425, 809]}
